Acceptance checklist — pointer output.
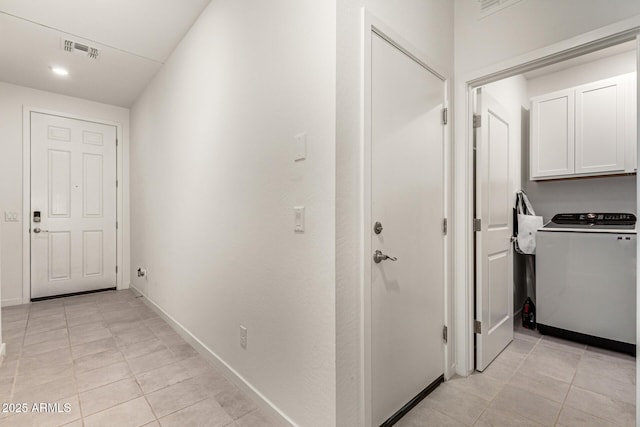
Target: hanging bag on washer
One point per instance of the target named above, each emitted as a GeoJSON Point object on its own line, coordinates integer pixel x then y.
{"type": "Point", "coordinates": [528, 224]}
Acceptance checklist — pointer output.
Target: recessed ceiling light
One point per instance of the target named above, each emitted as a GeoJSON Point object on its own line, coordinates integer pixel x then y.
{"type": "Point", "coordinates": [59, 71]}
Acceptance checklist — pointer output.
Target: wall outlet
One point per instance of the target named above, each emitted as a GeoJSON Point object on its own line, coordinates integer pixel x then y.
{"type": "Point", "coordinates": [10, 216]}
{"type": "Point", "coordinates": [243, 337]}
{"type": "Point", "coordinates": [142, 272]}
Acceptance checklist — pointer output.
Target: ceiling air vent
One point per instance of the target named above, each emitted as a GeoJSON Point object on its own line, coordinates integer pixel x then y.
{"type": "Point", "coordinates": [83, 49]}
{"type": "Point", "coordinates": [489, 7]}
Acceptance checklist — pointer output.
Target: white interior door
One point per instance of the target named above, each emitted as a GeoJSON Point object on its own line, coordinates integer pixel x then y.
{"type": "Point", "coordinates": [407, 190]}
{"type": "Point", "coordinates": [73, 192]}
{"type": "Point", "coordinates": [494, 200]}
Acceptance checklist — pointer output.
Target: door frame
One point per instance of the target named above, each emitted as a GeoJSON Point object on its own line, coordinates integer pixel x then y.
{"type": "Point", "coordinates": [26, 194]}
{"type": "Point", "coordinates": [600, 38]}
{"type": "Point", "coordinates": [373, 25]}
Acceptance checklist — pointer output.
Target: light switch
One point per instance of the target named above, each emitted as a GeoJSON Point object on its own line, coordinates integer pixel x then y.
{"type": "Point", "coordinates": [299, 219]}
{"type": "Point", "coordinates": [10, 216]}
{"type": "Point", "coordinates": [300, 152]}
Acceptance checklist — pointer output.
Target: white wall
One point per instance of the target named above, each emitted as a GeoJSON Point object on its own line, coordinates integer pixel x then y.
{"type": "Point", "coordinates": [601, 194]}
{"type": "Point", "coordinates": [3, 349]}
{"type": "Point", "coordinates": [601, 69]}
{"type": "Point", "coordinates": [480, 47]}
{"type": "Point", "coordinates": [12, 100]}
{"type": "Point", "coordinates": [428, 25]}
{"type": "Point", "coordinates": [214, 184]}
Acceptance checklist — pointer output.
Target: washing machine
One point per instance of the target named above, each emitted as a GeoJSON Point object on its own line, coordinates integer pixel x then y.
{"type": "Point", "coordinates": [586, 279]}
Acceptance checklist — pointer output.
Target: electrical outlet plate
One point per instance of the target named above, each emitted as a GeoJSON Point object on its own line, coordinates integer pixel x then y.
{"type": "Point", "coordinates": [243, 337]}
{"type": "Point", "coordinates": [10, 216]}
{"type": "Point", "coordinates": [300, 152]}
{"type": "Point", "coordinates": [298, 225]}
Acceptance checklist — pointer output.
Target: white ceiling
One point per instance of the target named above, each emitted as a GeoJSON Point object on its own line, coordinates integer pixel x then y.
{"type": "Point", "coordinates": [135, 37]}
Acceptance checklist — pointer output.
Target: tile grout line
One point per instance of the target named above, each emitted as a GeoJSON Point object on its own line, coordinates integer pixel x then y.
{"type": "Point", "coordinates": [580, 410]}
{"type": "Point", "coordinates": [135, 378]}
{"type": "Point", "coordinates": [509, 379]}
{"type": "Point", "coordinates": [127, 303]}
{"type": "Point", "coordinates": [177, 410]}
{"type": "Point", "coordinates": [73, 365]}
{"type": "Point", "coordinates": [573, 378]}
{"type": "Point", "coordinates": [17, 369]}
{"type": "Point", "coordinates": [149, 404]}
{"type": "Point", "coordinates": [113, 382]}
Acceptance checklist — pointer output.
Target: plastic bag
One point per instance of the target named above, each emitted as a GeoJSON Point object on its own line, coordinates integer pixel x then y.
{"type": "Point", "coordinates": [528, 224]}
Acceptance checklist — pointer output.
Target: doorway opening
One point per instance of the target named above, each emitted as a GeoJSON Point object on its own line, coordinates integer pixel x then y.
{"type": "Point", "coordinates": [567, 133]}
{"type": "Point", "coordinates": [72, 205]}
{"type": "Point", "coordinates": [404, 241]}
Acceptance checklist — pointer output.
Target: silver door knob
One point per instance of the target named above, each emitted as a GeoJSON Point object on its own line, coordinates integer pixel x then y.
{"type": "Point", "coordinates": [39, 230]}
{"type": "Point", "coordinates": [378, 257]}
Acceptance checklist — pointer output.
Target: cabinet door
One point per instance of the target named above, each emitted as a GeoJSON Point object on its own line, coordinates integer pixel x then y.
{"type": "Point", "coordinates": [600, 126]}
{"type": "Point", "coordinates": [552, 135]}
{"type": "Point", "coordinates": [631, 130]}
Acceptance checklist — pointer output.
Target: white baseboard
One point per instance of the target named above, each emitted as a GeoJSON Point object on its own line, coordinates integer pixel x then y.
{"type": "Point", "coordinates": [10, 302]}
{"type": "Point", "coordinates": [124, 286]}
{"type": "Point", "coordinates": [229, 373]}
{"type": "Point", "coordinates": [452, 371]}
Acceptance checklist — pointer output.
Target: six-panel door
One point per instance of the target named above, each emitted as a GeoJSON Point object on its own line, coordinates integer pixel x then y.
{"type": "Point", "coordinates": [73, 192]}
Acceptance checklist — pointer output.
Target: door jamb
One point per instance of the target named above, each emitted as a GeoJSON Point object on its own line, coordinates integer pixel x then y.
{"type": "Point", "coordinates": [373, 25]}
{"type": "Point", "coordinates": [607, 36]}
{"type": "Point", "coordinates": [26, 194]}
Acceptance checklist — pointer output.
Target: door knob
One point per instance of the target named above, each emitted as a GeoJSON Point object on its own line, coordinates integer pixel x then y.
{"type": "Point", "coordinates": [39, 230]}
{"type": "Point", "coordinates": [378, 257]}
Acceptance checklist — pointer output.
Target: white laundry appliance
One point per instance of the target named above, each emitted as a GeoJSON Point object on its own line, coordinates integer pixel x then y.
{"type": "Point", "coordinates": [586, 279]}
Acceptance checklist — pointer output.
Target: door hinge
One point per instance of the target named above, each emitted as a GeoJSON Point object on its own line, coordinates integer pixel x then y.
{"type": "Point", "coordinates": [445, 114]}
{"type": "Point", "coordinates": [445, 226]}
{"type": "Point", "coordinates": [116, 268]}
{"type": "Point", "coordinates": [116, 225]}
{"type": "Point", "coordinates": [445, 334]}
{"type": "Point", "coordinates": [116, 183]}
{"type": "Point", "coordinates": [477, 224]}
{"type": "Point", "coordinates": [477, 327]}
{"type": "Point", "coordinates": [477, 121]}
{"type": "Point", "coordinates": [116, 142]}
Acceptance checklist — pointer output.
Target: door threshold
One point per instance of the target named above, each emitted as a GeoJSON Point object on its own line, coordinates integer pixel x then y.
{"type": "Point", "coordinates": [413, 402]}
{"type": "Point", "coordinates": [73, 294]}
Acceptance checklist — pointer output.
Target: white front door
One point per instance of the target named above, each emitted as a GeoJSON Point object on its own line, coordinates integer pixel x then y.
{"type": "Point", "coordinates": [494, 202]}
{"type": "Point", "coordinates": [407, 200]}
{"type": "Point", "coordinates": [73, 205]}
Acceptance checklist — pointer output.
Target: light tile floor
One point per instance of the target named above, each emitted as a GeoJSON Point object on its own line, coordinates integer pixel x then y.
{"type": "Point", "coordinates": [114, 362]}
{"type": "Point", "coordinates": [537, 381]}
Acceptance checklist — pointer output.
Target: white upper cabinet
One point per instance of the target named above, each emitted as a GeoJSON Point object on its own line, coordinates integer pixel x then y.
{"type": "Point", "coordinates": [631, 128]}
{"type": "Point", "coordinates": [586, 130]}
{"type": "Point", "coordinates": [552, 131]}
{"type": "Point", "coordinates": [600, 125]}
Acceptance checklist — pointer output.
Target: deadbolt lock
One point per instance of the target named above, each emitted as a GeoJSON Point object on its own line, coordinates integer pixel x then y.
{"type": "Point", "coordinates": [377, 227]}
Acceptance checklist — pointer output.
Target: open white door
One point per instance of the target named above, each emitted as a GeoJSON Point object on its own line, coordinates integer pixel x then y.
{"type": "Point", "coordinates": [493, 225]}
{"type": "Point", "coordinates": [73, 205]}
{"type": "Point", "coordinates": [407, 206]}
